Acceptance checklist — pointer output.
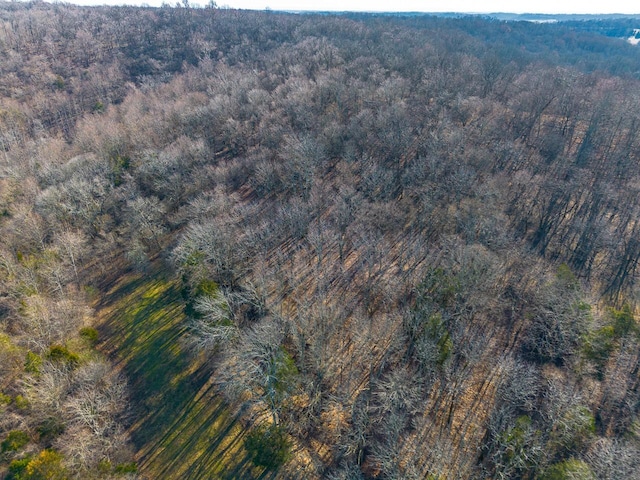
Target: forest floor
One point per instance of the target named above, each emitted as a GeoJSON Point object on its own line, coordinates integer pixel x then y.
{"type": "Point", "coordinates": [182, 429]}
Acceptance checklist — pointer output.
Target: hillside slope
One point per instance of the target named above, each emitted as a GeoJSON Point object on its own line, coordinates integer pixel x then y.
{"type": "Point", "coordinates": [321, 246]}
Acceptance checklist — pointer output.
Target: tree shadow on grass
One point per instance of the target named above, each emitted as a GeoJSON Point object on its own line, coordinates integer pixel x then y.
{"type": "Point", "coordinates": [182, 428]}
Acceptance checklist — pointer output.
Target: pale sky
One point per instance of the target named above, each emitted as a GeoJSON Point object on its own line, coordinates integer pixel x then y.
{"type": "Point", "coordinates": [466, 6]}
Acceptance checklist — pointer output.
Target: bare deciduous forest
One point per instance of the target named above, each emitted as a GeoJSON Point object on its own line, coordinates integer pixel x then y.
{"type": "Point", "coordinates": [246, 244]}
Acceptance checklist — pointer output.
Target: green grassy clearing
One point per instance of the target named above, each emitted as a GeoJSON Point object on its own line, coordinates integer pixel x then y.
{"type": "Point", "coordinates": [182, 429]}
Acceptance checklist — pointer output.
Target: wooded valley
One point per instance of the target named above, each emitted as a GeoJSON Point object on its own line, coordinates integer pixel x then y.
{"type": "Point", "coordinates": [241, 244]}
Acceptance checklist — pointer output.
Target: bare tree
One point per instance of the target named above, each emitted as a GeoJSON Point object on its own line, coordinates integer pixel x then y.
{"type": "Point", "coordinates": [46, 321]}
{"type": "Point", "coordinates": [216, 324]}
{"type": "Point", "coordinates": [259, 371]}
{"type": "Point", "coordinates": [72, 246]}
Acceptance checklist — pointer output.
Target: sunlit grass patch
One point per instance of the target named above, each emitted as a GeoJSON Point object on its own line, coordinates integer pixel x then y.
{"type": "Point", "coordinates": [182, 428]}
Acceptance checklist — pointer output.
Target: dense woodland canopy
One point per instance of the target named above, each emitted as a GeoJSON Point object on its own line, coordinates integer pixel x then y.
{"type": "Point", "coordinates": [408, 247]}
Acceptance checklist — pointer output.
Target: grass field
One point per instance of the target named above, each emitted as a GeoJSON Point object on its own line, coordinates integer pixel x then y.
{"type": "Point", "coordinates": [182, 429]}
